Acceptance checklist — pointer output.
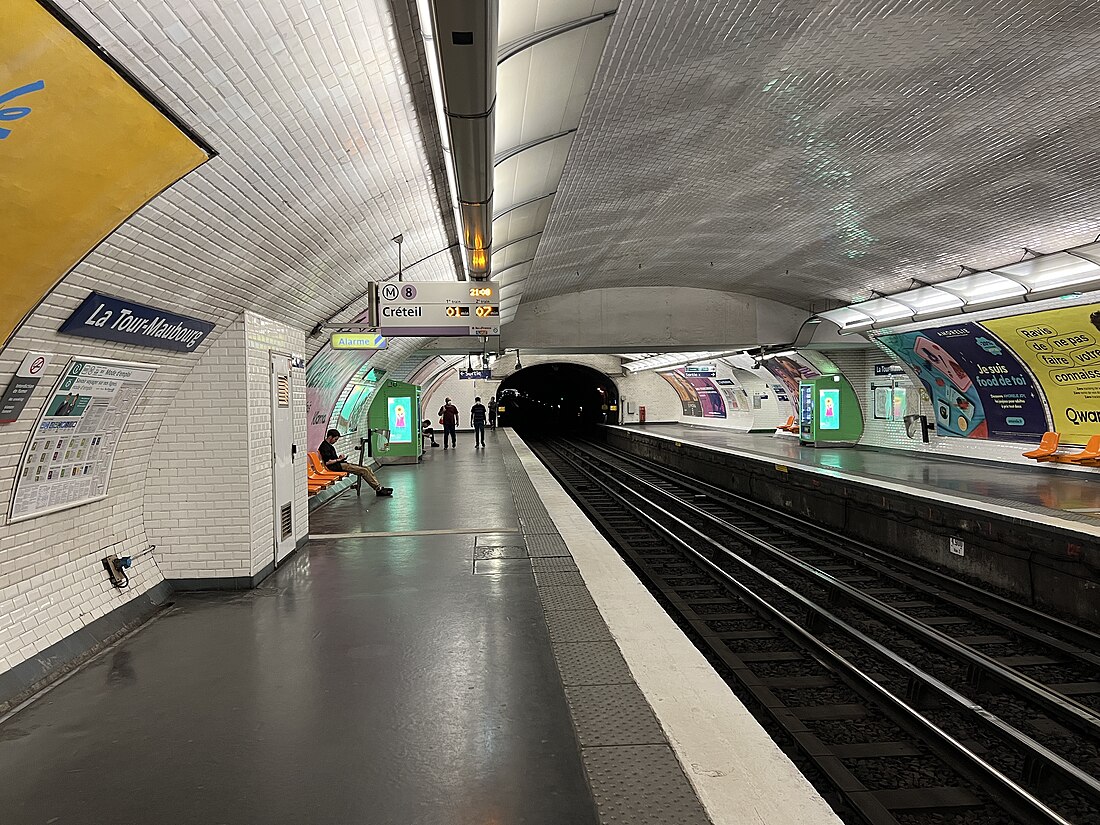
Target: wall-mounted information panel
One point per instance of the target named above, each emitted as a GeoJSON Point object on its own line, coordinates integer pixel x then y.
{"type": "Point", "coordinates": [68, 457]}
{"type": "Point", "coordinates": [442, 308]}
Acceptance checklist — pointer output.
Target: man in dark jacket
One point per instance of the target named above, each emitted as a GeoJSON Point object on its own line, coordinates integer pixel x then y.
{"type": "Point", "coordinates": [492, 413]}
{"type": "Point", "coordinates": [337, 463]}
{"type": "Point", "coordinates": [448, 417]}
{"type": "Point", "coordinates": [478, 414]}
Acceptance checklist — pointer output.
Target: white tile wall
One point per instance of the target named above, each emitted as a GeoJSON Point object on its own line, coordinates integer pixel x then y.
{"type": "Point", "coordinates": [210, 511]}
{"type": "Point", "coordinates": [196, 498]}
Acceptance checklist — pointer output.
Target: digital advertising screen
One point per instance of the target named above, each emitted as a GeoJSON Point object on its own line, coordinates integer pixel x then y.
{"type": "Point", "coordinates": [400, 420]}
{"type": "Point", "coordinates": [828, 411]}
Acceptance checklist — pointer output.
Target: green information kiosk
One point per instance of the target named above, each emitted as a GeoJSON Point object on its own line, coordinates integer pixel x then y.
{"type": "Point", "coordinates": [829, 412]}
{"type": "Point", "coordinates": [394, 421]}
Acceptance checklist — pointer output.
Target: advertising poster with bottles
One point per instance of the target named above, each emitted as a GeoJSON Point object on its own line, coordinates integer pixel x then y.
{"type": "Point", "coordinates": [1062, 349]}
{"type": "Point", "coordinates": [978, 388]}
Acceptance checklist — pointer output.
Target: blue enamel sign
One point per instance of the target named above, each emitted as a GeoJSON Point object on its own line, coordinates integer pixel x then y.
{"type": "Point", "coordinates": [113, 319]}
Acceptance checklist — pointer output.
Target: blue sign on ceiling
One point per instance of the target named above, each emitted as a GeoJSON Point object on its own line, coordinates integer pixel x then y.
{"type": "Point", "coordinates": [475, 375]}
{"type": "Point", "coordinates": [113, 319]}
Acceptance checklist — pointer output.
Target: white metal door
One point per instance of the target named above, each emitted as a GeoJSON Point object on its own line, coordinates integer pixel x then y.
{"type": "Point", "coordinates": [282, 455]}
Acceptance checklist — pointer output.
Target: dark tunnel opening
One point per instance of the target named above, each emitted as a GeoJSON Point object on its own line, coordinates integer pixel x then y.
{"type": "Point", "coordinates": [548, 399]}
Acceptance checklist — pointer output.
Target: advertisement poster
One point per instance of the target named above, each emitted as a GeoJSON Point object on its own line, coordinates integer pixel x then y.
{"type": "Point", "coordinates": [882, 401]}
{"type": "Point", "coordinates": [1062, 348]}
{"type": "Point", "coordinates": [790, 369]}
{"type": "Point", "coordinates": [83, 149]}
{"type": "Point", "coordinates": [689, 398]}
{"type": "Point", "coordinates": [400, 420]}
{"type": "Point", "coordinates": [979, 389]}
{"type": "Point", "coordinates": [710, 399]}
{"type": "Point", "coordinates": [730, 390]}
{"type": "Point", "coordinates": [68, 457]}
{"type": "Point", "coordinates": [900, 403]}
{"type": "Point", "coordinates": [828, 407]}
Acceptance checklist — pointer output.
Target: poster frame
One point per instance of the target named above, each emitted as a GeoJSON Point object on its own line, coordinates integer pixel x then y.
{"type": "Point", "coordinates": [109, 362]}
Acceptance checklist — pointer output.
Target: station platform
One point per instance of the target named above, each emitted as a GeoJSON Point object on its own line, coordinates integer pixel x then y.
{"type": "Point", "coordinates": [1068, 499]}
{"type": "Point", "coordinates": [469, 651]}
{"type": "Point", "coordinates": [1033, 532]}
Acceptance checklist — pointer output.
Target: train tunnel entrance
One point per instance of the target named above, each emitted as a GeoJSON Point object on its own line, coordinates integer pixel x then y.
{"type": "Point", "coordinates": [548, 398]}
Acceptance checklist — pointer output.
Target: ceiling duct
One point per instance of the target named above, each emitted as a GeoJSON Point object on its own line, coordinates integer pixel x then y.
{"type": "Point", "coordinates": [466, 46]}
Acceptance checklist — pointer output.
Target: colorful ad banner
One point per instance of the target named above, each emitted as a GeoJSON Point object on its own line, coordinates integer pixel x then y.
{"type": "Point", "coordinates": [1062, 348]}
{"type": "Point", "coordinates": [689, 398]}
{"type": "Point", "coordinates": [979, 389]}
{"type": "Point", "coordinates": [710, 399]}
{"type": "Point", "coordinates": [81, 150]}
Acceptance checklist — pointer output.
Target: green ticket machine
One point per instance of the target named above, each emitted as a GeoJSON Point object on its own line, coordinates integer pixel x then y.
{"type": "Point", "coordinates": [394, 422]}
{"type": "Point", "coordinates": [828, 412]}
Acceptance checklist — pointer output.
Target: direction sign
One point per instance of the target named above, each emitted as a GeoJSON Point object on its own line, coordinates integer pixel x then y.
{"type": "Point", "coordinates": [439, 308]}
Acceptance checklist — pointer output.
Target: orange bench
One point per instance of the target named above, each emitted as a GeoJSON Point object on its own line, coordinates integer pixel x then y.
{"type": "Point", "coordinates": [318, 476]}
{"type": "Point", "coordinates": [1089, 456]}
{"type": "Point", "coordinates": [790, 426]}
{"type": "Point", "coordinates": [1048, 447]}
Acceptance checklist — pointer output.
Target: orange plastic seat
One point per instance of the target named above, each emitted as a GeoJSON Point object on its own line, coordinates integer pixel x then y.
{"type": "Point", "coordinates": [1091, 453]}
{"type": "Point", "coordinates": [789, 426]}
{"type": "Point", "coordinates": [319, 468]}
{"type": "Point", "coordinates": [1048, 446]}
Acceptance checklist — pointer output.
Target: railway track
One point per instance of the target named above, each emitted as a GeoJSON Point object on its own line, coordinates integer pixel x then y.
{"type": "Point", "coordinates": [914, 698]}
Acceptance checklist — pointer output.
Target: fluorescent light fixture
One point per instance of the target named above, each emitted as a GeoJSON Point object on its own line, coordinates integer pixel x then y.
{"type": "Point", "coordinates": [885, 310]}
{"type": "Point", "coordinates": [984, 290]}
{"type": "Point", "coordinates": [848, 319]}
{"type": "Point", "coordinates": [929, 302]}
{"type": "Point", "coordinates": [670, 360]}
{"type": "Point", "coordinates": [1054, 275]}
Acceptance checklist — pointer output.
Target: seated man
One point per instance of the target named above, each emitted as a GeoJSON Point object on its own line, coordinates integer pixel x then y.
{"type": "Point", "coordinates": [428, 431]}
{"type": "Point", "coordinates": [340, 465]}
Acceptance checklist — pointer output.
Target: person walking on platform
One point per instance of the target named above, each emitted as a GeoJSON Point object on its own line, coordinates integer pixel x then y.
{"type": "Point", "coordinates": [340, 465]}
{"type": "Point", "coordinates": [478, 414]}
{"type": "Point", "coordinates": [492, 413]}
{"type": "Point", "coordinates": [448, 417]}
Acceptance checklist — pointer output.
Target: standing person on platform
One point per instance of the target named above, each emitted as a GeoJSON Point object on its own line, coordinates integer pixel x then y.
{"type": "Point", "coordinates": [478, 414]}
{"type": "Point", "coordinates": [492, 413]}
{"type": "Point", "coordinates": [338, 463]}
{"type": "Point", "coordinates": [448, 417]}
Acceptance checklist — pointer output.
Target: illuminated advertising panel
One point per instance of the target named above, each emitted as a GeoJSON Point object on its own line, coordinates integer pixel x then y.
{"type": "Point", "coordinates": [81, 149]}
{"type": "Point", "coordinates": [400, 420]}
{"type": "Point", "coordinates": [828, 409]}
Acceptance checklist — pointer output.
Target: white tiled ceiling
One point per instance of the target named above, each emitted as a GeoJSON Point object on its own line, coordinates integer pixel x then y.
{"type": "Point", "coordinates": [541, 91]}
{"type": "Point", "coordinates": [819, 149]}
{"type": "Point", "coordinates": [322, 156]}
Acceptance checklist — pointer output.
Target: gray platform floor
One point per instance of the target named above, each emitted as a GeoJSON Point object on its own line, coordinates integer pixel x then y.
{"type": "Point", "coordinates": [1071, 495]}
{"type": "Point", "coordinates": [372, 679]}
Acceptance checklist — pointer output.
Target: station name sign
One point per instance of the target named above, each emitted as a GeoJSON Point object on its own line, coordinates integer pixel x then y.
{"type": "Point", "coordinates": [438, 308]}
{"type": "Point", "coordinates": [113, 319]}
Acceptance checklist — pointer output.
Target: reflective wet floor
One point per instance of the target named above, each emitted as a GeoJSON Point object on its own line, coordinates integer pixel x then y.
{"type": "Point", "coordinates": [369, 680]}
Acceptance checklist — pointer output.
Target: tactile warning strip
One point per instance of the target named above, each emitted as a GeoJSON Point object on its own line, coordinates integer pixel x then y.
{"type": "Point", "coordinates": [634, 775]}
{"type": "Point", "coordinates": [591, 663]}
{"type": "Point", "coordinates": [642, 785]}
{"type": "Point", "coordinates": [552, 565]}
{"type": "Point", "coordinates": [559, 579]}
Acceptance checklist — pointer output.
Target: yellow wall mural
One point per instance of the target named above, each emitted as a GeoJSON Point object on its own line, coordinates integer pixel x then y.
{"type": "Point", "coordinates": [81, 149]}
{"type": "Point", "coordinates": [1061, 347]}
